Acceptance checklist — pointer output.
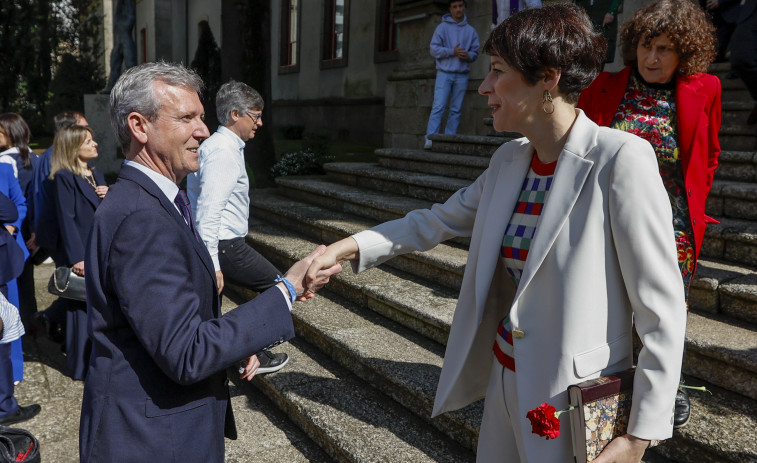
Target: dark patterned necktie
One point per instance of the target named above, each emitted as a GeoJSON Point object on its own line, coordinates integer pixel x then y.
{"type": "Point", "coordinates": [182, 201]}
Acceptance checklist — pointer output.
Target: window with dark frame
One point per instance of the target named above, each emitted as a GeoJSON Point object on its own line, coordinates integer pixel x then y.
{"type": "Point", "coordinates": [290, 33]}
{"type": "Point", "coordinates": [335, 27]}
{"type": "Point", "coordinates": [386, 33]}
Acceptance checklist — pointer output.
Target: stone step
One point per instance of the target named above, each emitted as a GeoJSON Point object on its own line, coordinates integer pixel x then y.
{"type": "Point", "coordinates": [425, 307]}
{"type": "Point", "coordinates": [377, 205]}
{"type": "Point", "coordinates": [737, 165]}
{"type": "Point", "coordinates": [397, 361]}
{"type": "Point", "coordinates": [430, 162]}
{"type": "Point", "coordinates": [722, 353]}
{"type": "Point", "coordinates": [718, 350]}
{"type": "Point", "coordinates": [733, 199]}
{"type": "Point", "coordinates": [469, 145]}
{"type": "Point", "coordinates": [725, 289]}
{"type": "Point", "coordinates": [736, 112]}
{"type": "Point", "coordinates": [732, 240]}
{"type": "Point", "coordinates": [347, 417]}
{"type": "Point", "coordinates": [721, 428]}
{"type": "Point", "coordinates": [334, 332]}
{"type": "Point", "coordinates": [721, 288]}
{"type": "Point", "coordinates": [411, 184]}
{"type": "Point", "coordinates": [444, 264]}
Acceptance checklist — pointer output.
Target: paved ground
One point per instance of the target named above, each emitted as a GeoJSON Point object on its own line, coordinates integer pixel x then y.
{"type": "Point", "coordinates": [266, 434]}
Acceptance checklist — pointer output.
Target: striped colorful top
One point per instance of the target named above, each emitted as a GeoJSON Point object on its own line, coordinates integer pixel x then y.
{"type": "Point", "coordinates": [517, 242]}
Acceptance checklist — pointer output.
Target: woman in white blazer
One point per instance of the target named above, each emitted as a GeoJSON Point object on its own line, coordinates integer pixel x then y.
{"type": "Point", "coordinates": [602, 254]}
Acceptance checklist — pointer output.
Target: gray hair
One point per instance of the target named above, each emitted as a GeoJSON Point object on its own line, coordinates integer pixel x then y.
{"type": "Point", "coordinates": [236, 95]}
{"type": "Point", "coordinates": [134, 92]}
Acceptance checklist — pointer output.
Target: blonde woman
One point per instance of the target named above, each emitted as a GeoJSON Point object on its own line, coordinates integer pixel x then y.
{"type": "Point", "coordinates": [79, 189]}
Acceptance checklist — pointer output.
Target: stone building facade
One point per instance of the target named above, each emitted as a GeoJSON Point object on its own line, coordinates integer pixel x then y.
{"type": "Point", "coordinates": [358, 69]}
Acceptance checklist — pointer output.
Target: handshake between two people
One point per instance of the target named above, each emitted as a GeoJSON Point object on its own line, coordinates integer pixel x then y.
{"type": "Point", "coordinates": [308, 276]}
{"type": "Point", "coordinates": [313, 272]}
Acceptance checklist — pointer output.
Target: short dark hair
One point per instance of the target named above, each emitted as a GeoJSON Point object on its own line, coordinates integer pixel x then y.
{"type": "Point", "coordinates": [558, 36]}
{"type": "Point", "coordinates": [455, 1]}
{"type": "Point", "coordinates": [685, 23]}
{"type": "Point", "coordinates": [65, 118]}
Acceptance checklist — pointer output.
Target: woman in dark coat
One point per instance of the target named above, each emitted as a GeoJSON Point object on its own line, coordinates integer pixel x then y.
{"type": "Point", "coordinates": [79, 189]}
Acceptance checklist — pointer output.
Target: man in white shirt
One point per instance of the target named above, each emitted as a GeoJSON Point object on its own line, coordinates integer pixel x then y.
{"type": "Point", "coordinates": [219, 196]}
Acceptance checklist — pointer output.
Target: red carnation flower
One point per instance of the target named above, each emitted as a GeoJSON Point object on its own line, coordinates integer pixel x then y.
{"type": "Point", "coordinates": [544, 421]}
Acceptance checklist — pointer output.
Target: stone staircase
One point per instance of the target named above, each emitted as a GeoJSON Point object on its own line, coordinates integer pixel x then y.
{"type": "Point", "coordinates": [364, 367]}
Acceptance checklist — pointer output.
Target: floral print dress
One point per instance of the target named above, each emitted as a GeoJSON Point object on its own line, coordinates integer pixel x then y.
{"type": "Point", "coordinates": [649, 111]}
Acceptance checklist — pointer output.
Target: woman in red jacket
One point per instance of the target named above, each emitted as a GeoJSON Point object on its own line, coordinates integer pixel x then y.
{"type": "Point", "coordinates": [665, 97]}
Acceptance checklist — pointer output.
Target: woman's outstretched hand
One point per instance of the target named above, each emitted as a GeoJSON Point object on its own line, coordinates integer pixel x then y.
{"type": "Point", "coordinates": [623, 449]}
{"type": "Point", "coordinates": [328, 263]}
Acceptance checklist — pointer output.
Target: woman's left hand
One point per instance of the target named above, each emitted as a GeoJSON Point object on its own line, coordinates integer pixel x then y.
{"type": "Point", "coordinates": [78, 268]}
{"type": "Point", "coordinates": [608, 19]}
{"type": "Point", "coordinates": [101, 190]}
{"type": "Point", "coordinates": [623, 449]}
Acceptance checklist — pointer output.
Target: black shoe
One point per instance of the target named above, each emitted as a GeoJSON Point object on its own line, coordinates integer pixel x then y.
{"type": "Point", "coordinates": [682, 409]}
{"type": "Point", "coordinates": [22, 414]}
{"type": "Point", "coordinates": [270, 362]}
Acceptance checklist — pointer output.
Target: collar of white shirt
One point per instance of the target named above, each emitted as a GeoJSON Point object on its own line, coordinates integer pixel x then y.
{"type": "Point", "coordinates": [234, 137]}
{"type": "Point", "coordinates": [168, 187]}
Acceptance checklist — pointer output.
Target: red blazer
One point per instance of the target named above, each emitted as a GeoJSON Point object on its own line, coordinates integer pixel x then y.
{"type": "Point", "coordinates": [698, 115]}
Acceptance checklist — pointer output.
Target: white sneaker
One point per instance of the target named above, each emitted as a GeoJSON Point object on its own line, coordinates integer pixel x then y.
{"type": "Point", "coordinates": [427, 145]}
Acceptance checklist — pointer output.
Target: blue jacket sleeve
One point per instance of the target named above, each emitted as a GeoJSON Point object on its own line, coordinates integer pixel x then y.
{"type": "Point", "coordinates": [17, 196]}
{"type": "Point", "coordinates": [438, 50]}
{"type": "Point", "coordinates": [65, 200]}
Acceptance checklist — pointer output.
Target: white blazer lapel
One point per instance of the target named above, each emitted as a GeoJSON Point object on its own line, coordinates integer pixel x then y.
{"type": "Point", "coordinates": [570, 175]}
{"type": "Point", "coordinates": [499, 208]}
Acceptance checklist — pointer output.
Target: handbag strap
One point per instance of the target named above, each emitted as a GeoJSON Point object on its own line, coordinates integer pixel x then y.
{"type": "Point", "coordinates": [55, 282]}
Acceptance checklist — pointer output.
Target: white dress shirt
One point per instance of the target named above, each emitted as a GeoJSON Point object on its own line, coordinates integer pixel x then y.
{"type": "Point", "coordinates": [219, 192]}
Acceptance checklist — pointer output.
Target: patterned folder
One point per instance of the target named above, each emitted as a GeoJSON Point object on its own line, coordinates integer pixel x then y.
{"type": "Point", "coordinates": [602, 407]}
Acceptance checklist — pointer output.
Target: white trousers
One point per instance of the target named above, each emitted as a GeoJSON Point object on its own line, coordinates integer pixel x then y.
{"type": "Point", "coordinates": [501, 438]}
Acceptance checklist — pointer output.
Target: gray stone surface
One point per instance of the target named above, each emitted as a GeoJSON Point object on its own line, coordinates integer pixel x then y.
{"type": "Point", "coordinates": [444, 263]}
{"type": "Point", "coordinates": [722, 353]}
{"type": "Point", "coordinates": [348, 418]}
{"type": "Point", "coordinates": [426, 307]}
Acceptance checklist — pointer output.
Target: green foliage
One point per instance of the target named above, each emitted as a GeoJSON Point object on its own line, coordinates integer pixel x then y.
{"type": "Point", "coordinates": [300, 163]}
{"type": "Point", "coordinates": [316, 142]}
{"type": "Point", "coordinates": [34, 37]}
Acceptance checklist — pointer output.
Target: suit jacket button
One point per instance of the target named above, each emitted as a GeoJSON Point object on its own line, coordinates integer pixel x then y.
{"type": "Point", "coordinates": [518, 334]}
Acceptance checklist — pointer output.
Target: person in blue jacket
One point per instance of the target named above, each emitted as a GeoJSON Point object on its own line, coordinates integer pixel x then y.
{"type": "Point", "coordinates": [454, 46]}
{"type": "Point", "coordinates": [15, 151]}
{"type": "Point", "coordinates": [12, 213]}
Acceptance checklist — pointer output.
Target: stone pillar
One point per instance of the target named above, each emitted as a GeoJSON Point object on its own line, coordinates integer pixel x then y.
{"type": "Point", "coordinates": [109, 153]}
{"type": "Point", "coordinates": [410, 86]}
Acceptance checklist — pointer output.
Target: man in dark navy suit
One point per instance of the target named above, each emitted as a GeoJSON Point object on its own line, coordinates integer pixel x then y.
{"type": "Point", "coordinates": [157, 388]}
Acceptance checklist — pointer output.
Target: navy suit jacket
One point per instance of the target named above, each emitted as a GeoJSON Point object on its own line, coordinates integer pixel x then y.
{"type": "Point", "coordinates": [11, 255]}
{"type": "Point", "coordinates": [156, 389]}
{"type": "Point", "coordinates": [45, 214]}
{"type": "Point", "coordinates": [75, 201]}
